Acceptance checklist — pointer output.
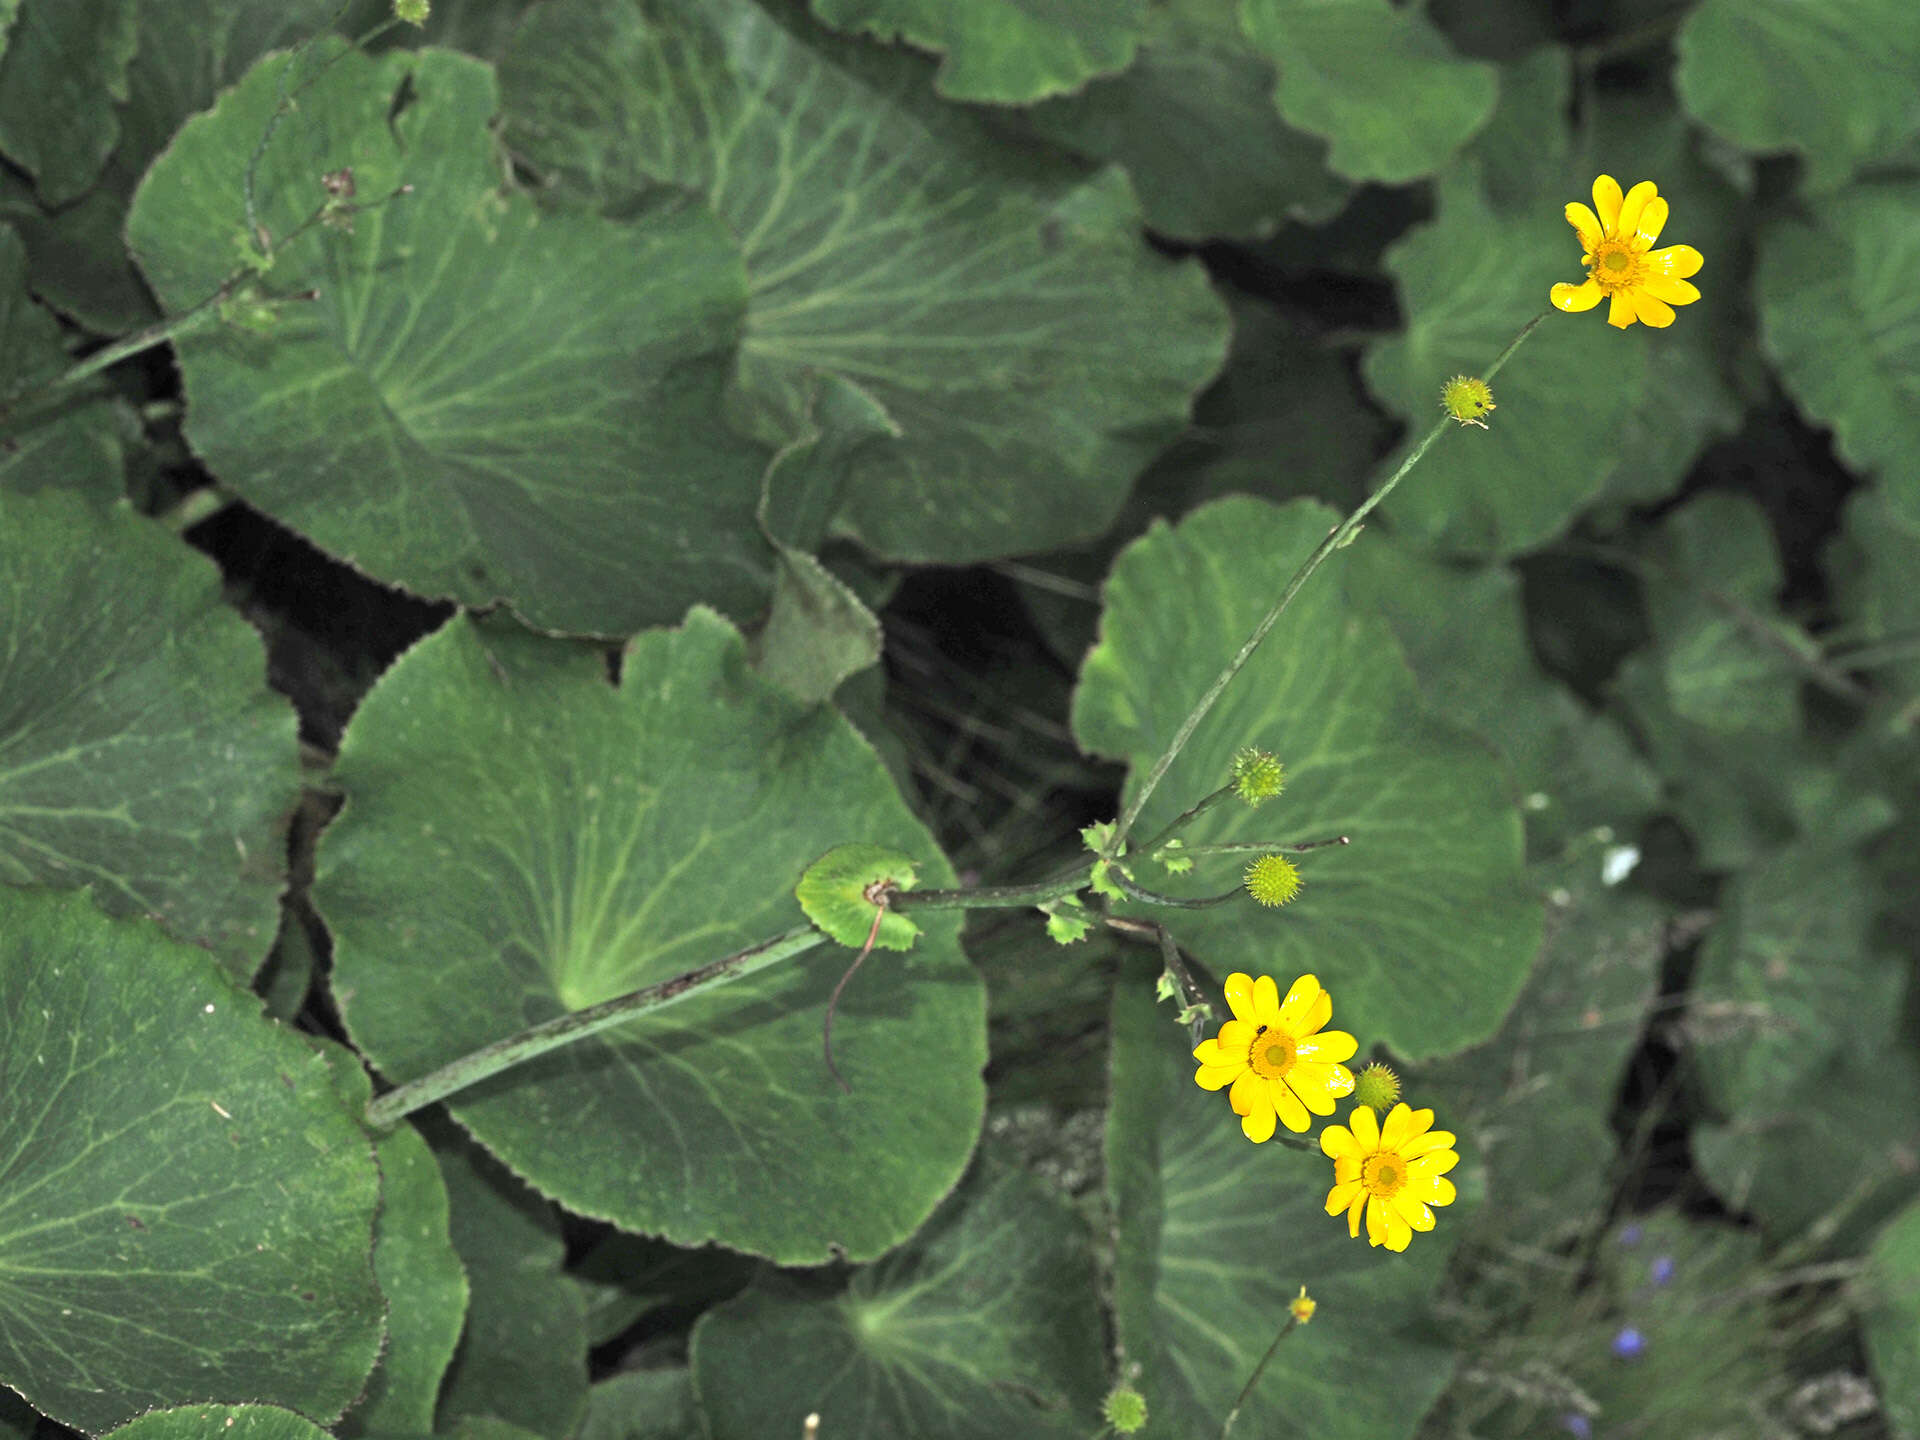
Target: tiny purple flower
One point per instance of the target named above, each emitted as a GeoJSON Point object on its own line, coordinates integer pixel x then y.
{"type": "Point", "coordinates": [1630, 1237]}
{"type": "Point", "coordinates": [1629, 1344]}
{"type": "Point", "coordinates": [1577, 1425]}
{"type": "Point", "coordinates": [1661, 1270]}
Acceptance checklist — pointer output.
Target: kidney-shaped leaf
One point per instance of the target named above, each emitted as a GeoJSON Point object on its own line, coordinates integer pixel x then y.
{"type": "Point", "coordinates": [1216, 1234]}
{"type": "Point", "coordinates": [186, 1209]}
{"type": "Point", "coordinates": [1839, 317]}
{"type": "Point", "coordinates": [1008, 51]}
{"type": "Point", "coordinates": [480, 402]}
{"type": "Point", "coordinates": [229, 1422]}
{"type": "Point", "coordinates": [985, 1325]}
{"type": "Point", "coordinates": [1031, 352]}
{"type": "Point", "coordinates": [1378, 81]}
{"type": "Point", "coordinates": [1891, 1326]}
{"type": "Point", "coordinates": [140, 750]}
{"type": "Point", "coordinates": [1833, 81]}
{"type": "Point", "coordinates": [1423, 927]}
{"type": "Point", "coordinates": [521, 839]}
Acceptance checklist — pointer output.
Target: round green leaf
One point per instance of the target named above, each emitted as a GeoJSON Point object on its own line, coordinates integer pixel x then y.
{"type": "Point", "coordinates": [140, 750]}
{"type": "Point", "coordinates": [74, 444]}
{"type": "Point", "coordinates": [481, 402]}
{"type": "Point", "coordinates": [60, 70]}
{"type": "Point", "coordinates": [833, 892]}
{"type": "Point", "coordinates": [1464, 631]}
{"type": "Point", "coordinates": [523, 1356]}
{"type": "Point", "coordinates": [985, 1325]}
{"type": "Point", "coordinates": [1870, 568]}
{"type": "Point", "coordinates": [1194, 124]}
{"type": "Point", "coordinates": [1726, 654]}
{"type": "Point", "coordinates": [186, 1209]}
{"type": "Point", "coordinates": [423, 1282]}
{"type": "Point", "coordinates": [1839, 320]}
{"type": "Point", "coordinates": [1834, 82]}
{"type": "Point", "coordinates": [643, 1405]}
{"type": "Point", "coordinates": [1424, 926]}
{"type": "Point", "coordinates": [1006, 51]}
{"type": "Point", "coordinates": [1214, 1235]}
{"type": "Point", "coordinates": [1891, 1325]}
{"type": "Point", "coordinates": [1468, 282]}
{"type": "Point", "coordinates": [229, 1422]}
{"type": "Point", "coordinates": [1029, 351]}
{"type": "Point", "coordinates": [521, 839]}
{"type": "Point", "coordinates": [1378, 81]}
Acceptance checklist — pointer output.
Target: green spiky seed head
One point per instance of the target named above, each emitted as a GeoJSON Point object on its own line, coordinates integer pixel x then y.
{"type": "Point", "coordinates": [1273, 880]}
{"type": "Point", "coordinates": [1467, 398]}
{"type": "Point", "coordinates": [1376, 1087]}
{"type": "Point", "coordinates": [414, 12]}
{"type": "Point", "coordinates": [1125, 1409]}
{"type": "Point", "coordinates": [1258, 775]}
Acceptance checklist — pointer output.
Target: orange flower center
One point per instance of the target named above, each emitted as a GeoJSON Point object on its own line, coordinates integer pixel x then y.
{"type": "Point", "coordinates": [1616, 265]}
{"type": "Point", "coordinates": [1271, 1054]}
{"type": "Point", "coordinates": [1383, 1174]}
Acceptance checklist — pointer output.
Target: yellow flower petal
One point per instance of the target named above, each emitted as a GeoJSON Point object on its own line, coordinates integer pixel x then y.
{"type": "Point", "coordinates": [1320, 1086]}
{"type": "Point", "coordinates": [1365, 1129]}
{"type": "Point", "coordinates": [1651, 311]}
{"type": "Point", "coordinates": [1620, 310]}
{"type": "Point", "coordinates": [1217, 1077]}
{"type": "Point", "coordinates": [1332, 1046]}
{"type": "Point", "coordinates": [1413, 1211]}
{"type": "Point", "coordinates": [1638, 198]}
{"type": "Point", "coordinates": [1266, 1002]}
{"type": "Point", "coordinates": [1376, 1220]}
{"type": "Point", "coordinates": [1236, 1036]}
{"type": "Point", "coordinates": [1239, 988]}
{"type": "Point", "coordinates": [1585, 224]}
{"type": "Point", "coordinates": [1653, 219]}
{"type": "Point", "coordinates": [1438, 1162]}
{"type": "Point", "coordinates": [1292, 1112]}
{"type": "Point", "coordinates": [1353, 1214]}
{"type": "Point", "coordinates": [1674, 292]}
{"type": "Point", "coordinates": [1341, 1196]}
{"type": "Point", "coordinates": [1299, 1000]}
{"type": "Point", "coordinates": [1574, 298]}
{"type": "Point", "coordinates": [1606, 202]}
{"type": "Point", "coordinates": [1257, 1123]}
{"type": "Point", "coordinates": [1435, 1190]}
{"type": "Point", "coordinates": [1208, 1052]}
{"type": "Point", "coordinates": [1403, 1123]}
{"type": "Point", "coordinates": [1432, 1140]}
{"type": "Point", "coordinates": [1317, 1014]}
{"type": "Point", "coordinates": [1337, 1142]}
{"type": "Point", "coordinates": [1399, 1233]}
{"type": "Point", "coordinates": [1679, 261]}
{"type": "Point", "coordinates": [1346, 1168]}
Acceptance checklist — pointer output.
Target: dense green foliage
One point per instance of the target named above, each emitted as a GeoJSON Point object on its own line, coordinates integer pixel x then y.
{"type": "Point", "coordinates": [485, 506]}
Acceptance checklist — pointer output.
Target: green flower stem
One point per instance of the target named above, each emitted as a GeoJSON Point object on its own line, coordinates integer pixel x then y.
{"type": "Point", "coordinates": [1341, 534]}
{"type": "Point", "coordinates": [1260, 847]}
{"type": "Point", "coordinates": [1180, 822]}
{"type": "Point", "coordinates": [1226, 1426]}
{"type": "Point", "coordinates": [1173, 902]}
{"type": "Point", "coordinates": [991, 897]}
{"type": "Point", "coordinates": [565, 1029]}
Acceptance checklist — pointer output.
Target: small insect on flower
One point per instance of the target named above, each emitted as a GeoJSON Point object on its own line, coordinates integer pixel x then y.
{"type": "Point", "coordinates": [1640, 283]}
{"type": "Point", "coordinates": [1391, 1173]}
{"type": "Point", "coordinates": [1275, 1056]}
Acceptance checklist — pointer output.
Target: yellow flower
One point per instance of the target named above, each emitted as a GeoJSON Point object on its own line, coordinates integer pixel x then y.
{"type": "Point", "coordinates": [1273, 1055]}
{"type": "Point", "coordinates": [1642, 283]}
{"type": "Point", "coordinates": [1392, 1172]}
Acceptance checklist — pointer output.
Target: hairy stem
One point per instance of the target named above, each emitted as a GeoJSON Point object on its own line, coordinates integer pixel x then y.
{"type": "Point", "coordinates": [565, 1029]}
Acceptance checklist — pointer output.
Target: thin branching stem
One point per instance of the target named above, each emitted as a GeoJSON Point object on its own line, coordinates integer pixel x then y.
{"type": "Point", "coordinates": [1340, 535]}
